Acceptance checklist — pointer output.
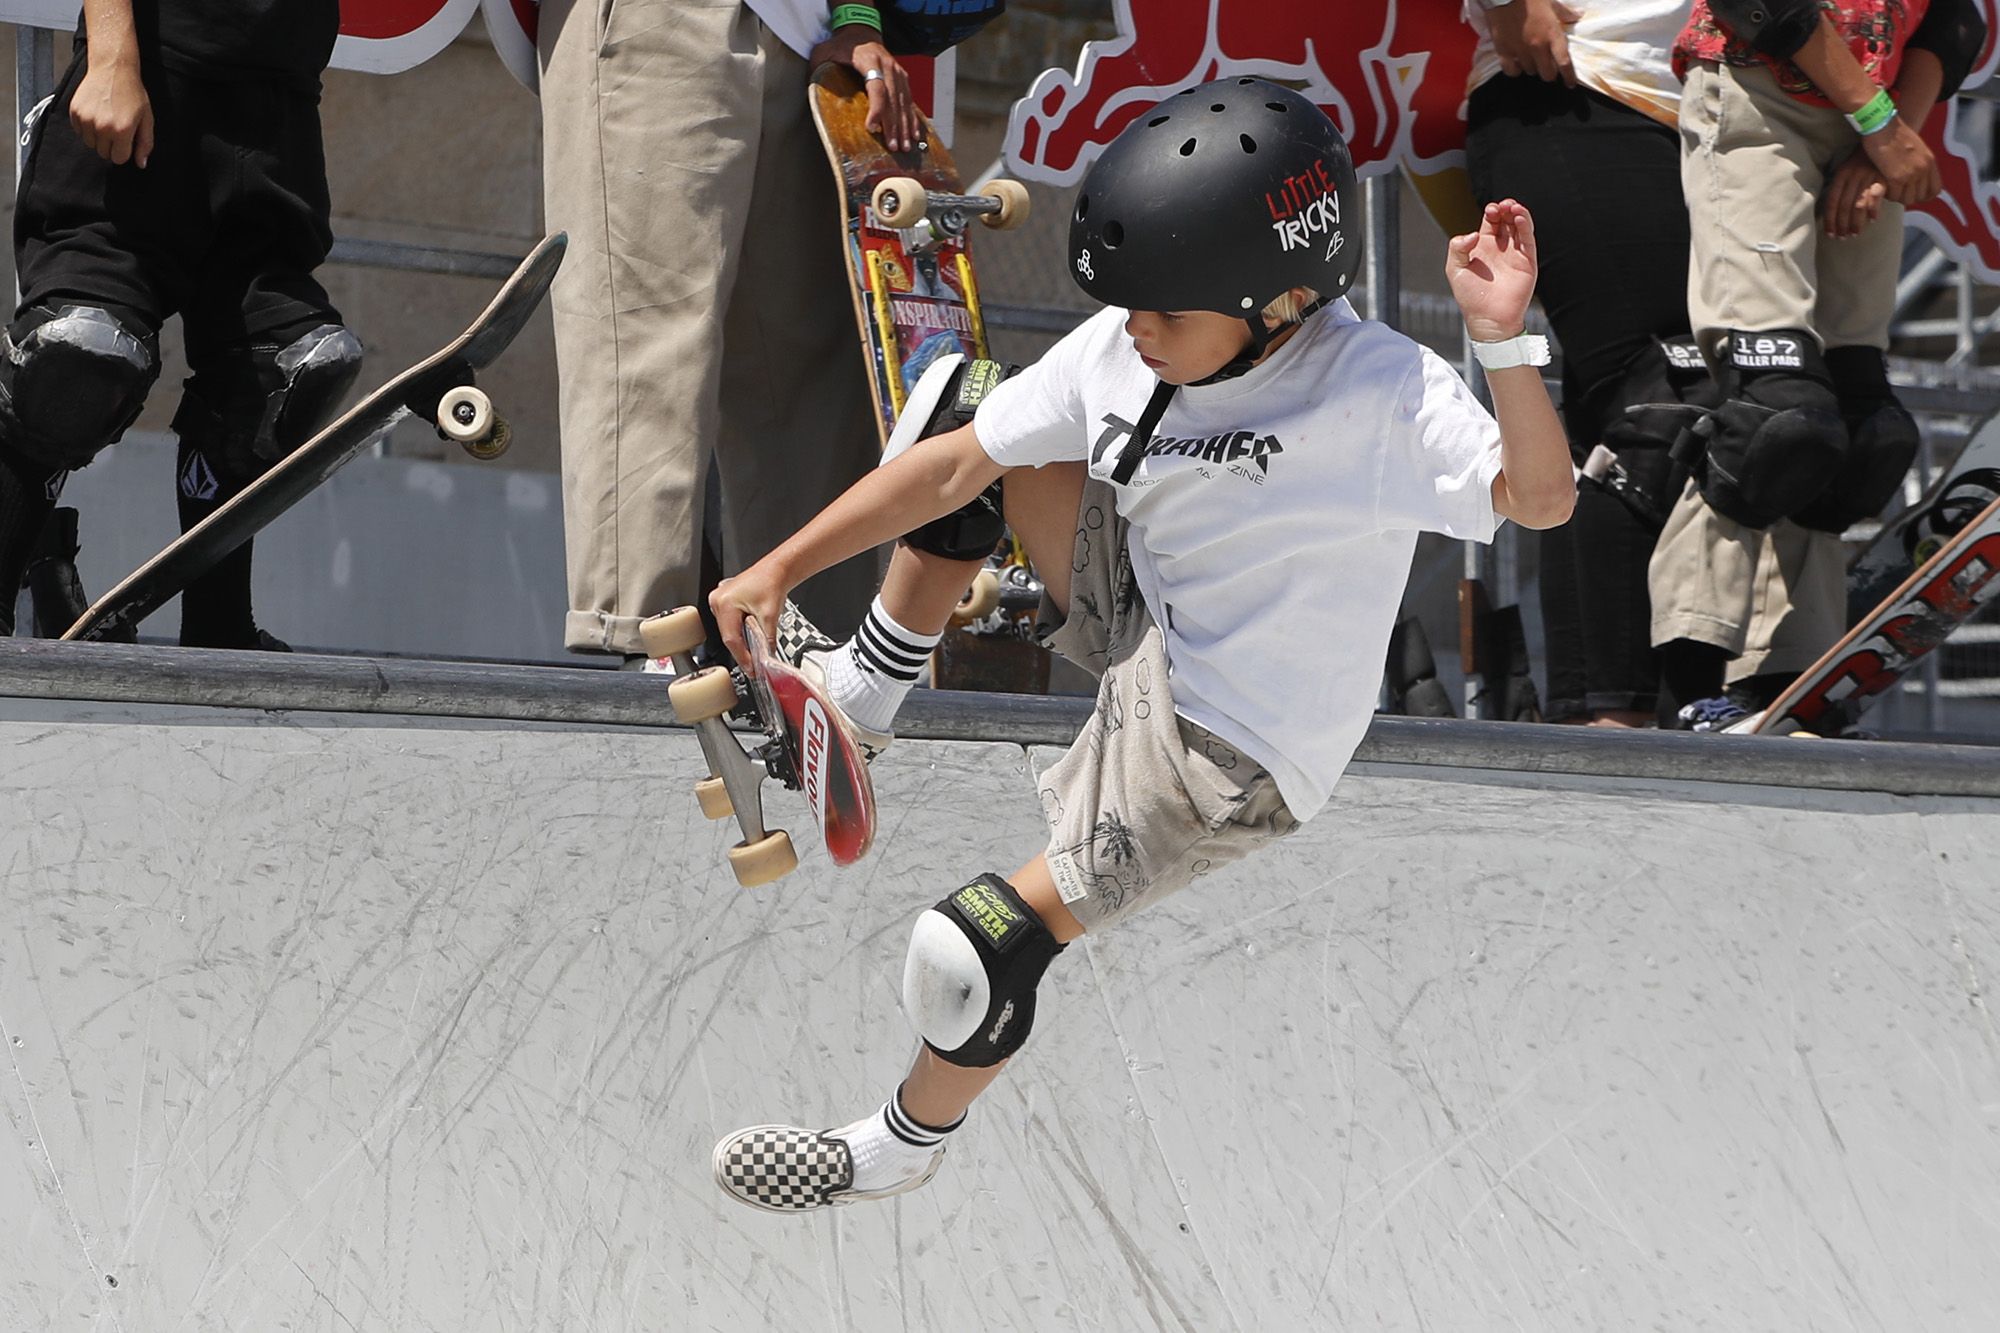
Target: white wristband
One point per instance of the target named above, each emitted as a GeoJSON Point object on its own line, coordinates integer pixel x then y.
{"type": "Point", "coordinates": [1530, 349]}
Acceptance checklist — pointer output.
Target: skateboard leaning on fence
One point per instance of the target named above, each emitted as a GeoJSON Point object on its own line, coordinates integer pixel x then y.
{"type": "Point", "coordinates": [1960, 577]}
{"type": "Point", "coordinates": [1955, 497]}
{"type": "Point", "coordinates": [805, 748]}
{"type": "Point", "coordinates": [440, 388]}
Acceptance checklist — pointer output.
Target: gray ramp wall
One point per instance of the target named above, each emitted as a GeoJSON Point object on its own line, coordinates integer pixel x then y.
{"type": "Point", "coordinates": [329, 1022]}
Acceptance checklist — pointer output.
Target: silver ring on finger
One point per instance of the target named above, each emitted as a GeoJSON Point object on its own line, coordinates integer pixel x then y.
{"type": "Point", "coordinates": [871, 76]}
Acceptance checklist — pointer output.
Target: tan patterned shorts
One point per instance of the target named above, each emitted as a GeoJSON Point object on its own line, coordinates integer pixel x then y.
{"type": "Point", "coordinates": [1144, 801]}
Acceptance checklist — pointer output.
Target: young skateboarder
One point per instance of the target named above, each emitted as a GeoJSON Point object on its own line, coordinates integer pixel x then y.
{"type": "Point", "coordinates": [1222, 490]}
{"type": "Point", "coordinates": [178, 168]}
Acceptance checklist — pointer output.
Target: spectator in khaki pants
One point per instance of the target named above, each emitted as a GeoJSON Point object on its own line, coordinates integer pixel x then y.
{"type": "Point", "coordinates": [703, 308]}
{"type": "Point", "coordinates": [1799, 148]}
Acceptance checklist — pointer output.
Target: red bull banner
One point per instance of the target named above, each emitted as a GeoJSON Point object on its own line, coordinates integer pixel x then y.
{"type": "Point", "coordinates": [1392, 74]}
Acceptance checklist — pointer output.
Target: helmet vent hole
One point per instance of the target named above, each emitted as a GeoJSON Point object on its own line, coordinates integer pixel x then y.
{"type": "Point", "coordinates": [1278, 107]}
{"type": "Point", "coordinates": [1249, 144]}
{"type": "Point", "coordinates": [1187, 149]}
{"type": "Point", "coordinates": [1082, 207]}
{"type": "Point", "coordinates": [1114, 235]}
{"type": "Point", "coordinates": [1218, 106]}
{"type": "Point", "coordinates": [1157, 121]}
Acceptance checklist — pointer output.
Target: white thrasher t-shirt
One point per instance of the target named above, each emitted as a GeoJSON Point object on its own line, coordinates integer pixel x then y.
{"type": "Point", "coordinates": [1274, 517]}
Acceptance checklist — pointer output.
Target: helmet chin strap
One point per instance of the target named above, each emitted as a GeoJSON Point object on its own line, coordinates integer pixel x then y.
{"type": "Point", "coordinates": [1261, 337]}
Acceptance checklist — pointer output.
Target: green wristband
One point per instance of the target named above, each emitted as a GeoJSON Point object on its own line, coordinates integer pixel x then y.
{"type": "Point", "coordinates": [866, 16]}
{"type": "Point", "coordinates": [1874, 115]}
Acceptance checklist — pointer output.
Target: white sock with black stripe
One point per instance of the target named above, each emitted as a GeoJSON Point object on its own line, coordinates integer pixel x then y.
{"type": "Point", "coordinates": [889, 1147]}
{"type": "Point", "coordinates": [869, 678]}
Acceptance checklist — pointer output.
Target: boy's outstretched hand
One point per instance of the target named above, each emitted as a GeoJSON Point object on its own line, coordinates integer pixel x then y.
{"type": "Point", "coordinates": [1492, 272]}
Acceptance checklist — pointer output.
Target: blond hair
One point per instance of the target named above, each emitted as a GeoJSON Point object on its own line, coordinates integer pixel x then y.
{"type": "Point", "coordinates": [1286, 309]}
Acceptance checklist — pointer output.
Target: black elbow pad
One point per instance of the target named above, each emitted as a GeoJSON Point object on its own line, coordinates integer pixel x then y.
{"type": "Point", "coordinates": [1955, 32]}
{"type": "Point", "coordinates": [1774, 27]}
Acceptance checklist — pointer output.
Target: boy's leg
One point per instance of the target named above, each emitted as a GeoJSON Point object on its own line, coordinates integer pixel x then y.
{"type": "Point", "coordinates": [869, 676]}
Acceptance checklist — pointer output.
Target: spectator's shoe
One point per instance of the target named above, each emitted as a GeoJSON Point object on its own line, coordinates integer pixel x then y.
{"type": "Point", "coordinates": [782, 1169]}
{"type": "Point", "coordinates": [256, 641]}
{"type": "Point", "coordinates": [1716, 714]}
{"type": "Point", "coordinates": [800, 644]}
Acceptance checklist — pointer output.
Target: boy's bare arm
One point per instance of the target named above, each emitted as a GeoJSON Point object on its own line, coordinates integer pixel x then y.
{"type": "Point", "coordinates": [935, 477]}
{"type": "Point", "coordinates": [110, 109]}
{"type": "Point", "coordinates": [1492, 273]}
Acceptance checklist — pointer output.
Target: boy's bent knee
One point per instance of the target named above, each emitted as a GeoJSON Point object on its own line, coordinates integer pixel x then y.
{"type": "Point", "coordinates": [974, 964]}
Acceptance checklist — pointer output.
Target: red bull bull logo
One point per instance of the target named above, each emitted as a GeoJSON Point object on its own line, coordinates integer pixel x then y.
{"type": "Point", "coordinates": [1391, 73]}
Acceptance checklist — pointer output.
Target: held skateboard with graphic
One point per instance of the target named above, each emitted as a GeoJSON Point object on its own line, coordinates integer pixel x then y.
{"type": "Point", "coordinates": [1959, 579]}
{"type": "Point", "coordinates": [904, 218]}
{"type": "Point", "coordinates": [441, 388]}
{"type": "Point", "coordinates": [805, 748]}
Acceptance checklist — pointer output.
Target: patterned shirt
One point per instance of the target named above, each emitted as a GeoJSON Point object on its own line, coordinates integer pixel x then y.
{"type": "Point", "coordinates": [1875, 31]}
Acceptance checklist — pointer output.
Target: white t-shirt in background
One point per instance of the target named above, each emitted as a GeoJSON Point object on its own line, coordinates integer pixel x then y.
{"type": "Point", "coordinates": [1274, 517]}
{"type": "Point", "coordinates": [1618, 47]}
{"type": "Point", "coordinates": [799, 24]}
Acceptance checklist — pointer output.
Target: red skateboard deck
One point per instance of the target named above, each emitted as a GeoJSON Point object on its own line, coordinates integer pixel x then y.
{"type": "Point", "coordinates": [805, 748]}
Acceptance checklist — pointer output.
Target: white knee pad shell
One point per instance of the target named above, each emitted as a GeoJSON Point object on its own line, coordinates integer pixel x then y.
{"type": "Point", "coordinates": [969, 980]}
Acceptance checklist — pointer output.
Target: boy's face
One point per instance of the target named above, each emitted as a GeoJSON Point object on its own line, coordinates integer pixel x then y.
{"type": "Point", "coordinates": [1182, 346]}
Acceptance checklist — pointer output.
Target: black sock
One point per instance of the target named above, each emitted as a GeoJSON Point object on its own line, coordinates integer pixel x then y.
{"type": "Point", "coordinates": [1689, 670]}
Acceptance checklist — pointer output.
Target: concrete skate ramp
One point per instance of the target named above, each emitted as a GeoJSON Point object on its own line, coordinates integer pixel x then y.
{"type": "Point", "coordinates": [321, 1020]}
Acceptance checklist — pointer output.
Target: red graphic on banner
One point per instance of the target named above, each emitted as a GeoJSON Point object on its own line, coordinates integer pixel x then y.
{"type": "Point", "coordinates": [1391, 73]}
{"type": "Point", "coordinates": [382, 19]}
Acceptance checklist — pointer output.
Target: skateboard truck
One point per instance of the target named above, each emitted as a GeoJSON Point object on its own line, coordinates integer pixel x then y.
{"type": "Point", "coordinates": [702, 697]}
{"type": "Point", "coordinates": [902, 203]}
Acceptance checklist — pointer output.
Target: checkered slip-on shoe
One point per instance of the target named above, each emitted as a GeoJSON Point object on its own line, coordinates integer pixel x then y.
{"type": "Point", "coordinates": [800, 644]}
{"type": "Point", "coordinates": [784, 1169]}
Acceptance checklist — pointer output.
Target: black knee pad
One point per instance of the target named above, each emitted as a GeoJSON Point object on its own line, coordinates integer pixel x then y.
{"type": "Point", "coordinates": [1778, 438]}
{"type": "Point", "coordinates": [1882, 440]}
{"type": "Point", "coordinates": [72, 380]}
{"type": "Point", "coordinates": [973, 530]}
{"type": "Point", "coordinates": [974, 963]}
{"type": "Point", "coordinates": [1664, 391]}
{"type": "Point", "coordinates": [245, 409]}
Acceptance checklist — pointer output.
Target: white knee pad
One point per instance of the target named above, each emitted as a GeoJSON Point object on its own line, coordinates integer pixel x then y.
{"type": "Point", "coordinates": [970, 977]}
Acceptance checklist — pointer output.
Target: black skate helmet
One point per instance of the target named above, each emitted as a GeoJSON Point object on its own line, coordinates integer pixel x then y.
{"type": "Point", "coordinates": [1222, 197]}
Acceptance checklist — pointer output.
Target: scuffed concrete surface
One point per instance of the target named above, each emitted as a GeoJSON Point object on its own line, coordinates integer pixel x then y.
{"type": "Point", "coordinates": [328, 1023]}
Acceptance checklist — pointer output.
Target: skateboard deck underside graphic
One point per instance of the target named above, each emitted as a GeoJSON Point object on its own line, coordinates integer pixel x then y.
{"type": "Point", "coordinates": [421, 389]}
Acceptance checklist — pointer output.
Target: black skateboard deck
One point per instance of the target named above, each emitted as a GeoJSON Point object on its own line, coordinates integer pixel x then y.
{"type": "Point", "coordinates": [439, 388]}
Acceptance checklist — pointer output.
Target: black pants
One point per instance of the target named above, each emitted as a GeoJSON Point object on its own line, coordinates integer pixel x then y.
{"type": "Point", "coordinates": [1603, 182]}
{"type": "Point", "coordinates": [223, 226]}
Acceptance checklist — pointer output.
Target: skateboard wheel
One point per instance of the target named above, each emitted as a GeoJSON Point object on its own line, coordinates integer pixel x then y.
{"type": "Point", "coordinates": [677, 631]}
{"type": "Point", "coordinates": [712, 794]}
{"type": "Point", "coordinates": [770, 857]}
{"type": "Point", "coordinates": [980, 599]}
{"type": "Point", "coordinates": [707, 693]}
{"type": "Point", "coordinates": [465, 414]}
{"type": "Point", "coordinates": [900, 202]}
{"type": "Point", "coordinates": [1012, 196]}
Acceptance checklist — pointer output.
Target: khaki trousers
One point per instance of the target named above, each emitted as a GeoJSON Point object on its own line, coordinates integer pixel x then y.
{"type": "Point", "coordinates": [1754, 163]}
{"type": "Point", "coordinates": [702, 311]}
